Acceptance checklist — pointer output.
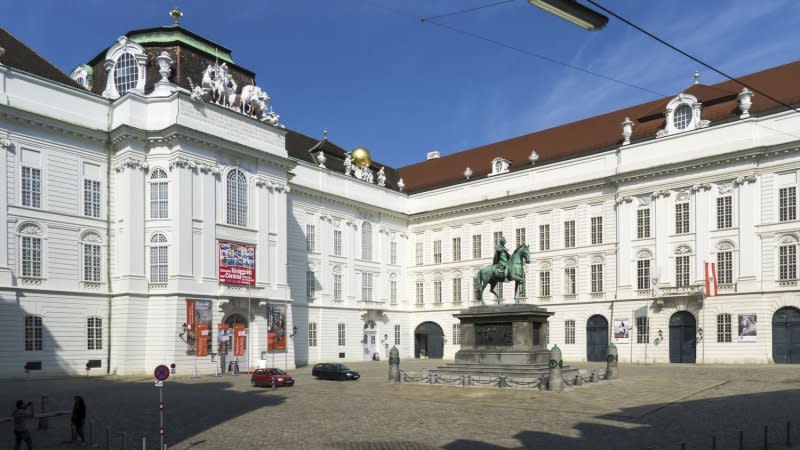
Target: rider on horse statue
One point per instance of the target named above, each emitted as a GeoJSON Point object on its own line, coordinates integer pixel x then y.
{"type": "Point", "coordinates": [501, 259]}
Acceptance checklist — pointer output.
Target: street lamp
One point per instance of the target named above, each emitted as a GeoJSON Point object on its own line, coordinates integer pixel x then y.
{"type": "Point", "coordinates": [574, 12]}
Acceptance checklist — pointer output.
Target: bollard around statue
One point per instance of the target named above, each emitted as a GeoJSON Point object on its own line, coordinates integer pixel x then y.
{"type": "Point", "coordinates": [554, 381]}
{"type": "Point", "coordinates": [394, 365]}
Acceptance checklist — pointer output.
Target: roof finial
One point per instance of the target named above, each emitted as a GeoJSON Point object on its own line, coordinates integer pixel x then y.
{"type": "Point", "coordinates": [325, 134]}
{"type": "Point", "coordinates": [176, 14]}
{"type": "Point", "coordinates": [696, 77]}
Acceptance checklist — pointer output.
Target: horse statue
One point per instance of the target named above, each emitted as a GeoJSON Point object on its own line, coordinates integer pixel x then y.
{"type": "Point", "coordinates": [491, 275]}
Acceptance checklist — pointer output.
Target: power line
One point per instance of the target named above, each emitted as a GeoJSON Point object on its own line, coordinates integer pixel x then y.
{"type": "Point", "coordinates": [466, 10]}
{"type": "Point", "coordinates": [431, 20]}
{"type": "Point", "coordinates": [693, 58]}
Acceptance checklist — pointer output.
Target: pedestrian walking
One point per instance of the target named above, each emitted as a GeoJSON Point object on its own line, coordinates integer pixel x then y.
{"type": "Point", "coordinates": [24, 411]}
{"type": "Point", "coordinates": [78, 419]}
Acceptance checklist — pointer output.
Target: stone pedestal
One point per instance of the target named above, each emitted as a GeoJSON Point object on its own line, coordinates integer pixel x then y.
{"type": "Point", "coordinates": [503, 334]}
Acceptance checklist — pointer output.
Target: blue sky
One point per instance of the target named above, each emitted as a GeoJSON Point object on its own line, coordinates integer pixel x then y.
{"type": "Point", "coordinates": [375, 77]}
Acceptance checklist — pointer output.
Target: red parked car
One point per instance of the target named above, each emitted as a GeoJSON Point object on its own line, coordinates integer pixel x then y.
{"type": "Point", "coordinates": [271, 377]}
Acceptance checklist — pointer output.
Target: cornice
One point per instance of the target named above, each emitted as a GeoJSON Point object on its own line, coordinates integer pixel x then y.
{"type": "Point", "coordinates": [320, 195]}
{"type": "Point", "coordinates": [64, 128]}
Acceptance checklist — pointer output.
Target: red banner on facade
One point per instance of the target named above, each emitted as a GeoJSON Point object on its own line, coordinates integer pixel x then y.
{"type": "Point", "coordinates": [237, 263]}
{"type": "Point", "coordinates": [276, 327]}
{"type": "Point", "coordinates": [201, 349]}
{"type": "Point", "coordinates": [190, 308]}
{"type": "Point", "coordinates": [239, 339]}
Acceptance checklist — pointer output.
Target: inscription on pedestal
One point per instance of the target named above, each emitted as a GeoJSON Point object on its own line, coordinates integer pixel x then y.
{"type": "Point", "coordinates": [493, 334]}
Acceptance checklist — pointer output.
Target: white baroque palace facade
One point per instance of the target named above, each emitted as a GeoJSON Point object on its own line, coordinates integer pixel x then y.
{"type": "Point", "coordinates": [154, 220]}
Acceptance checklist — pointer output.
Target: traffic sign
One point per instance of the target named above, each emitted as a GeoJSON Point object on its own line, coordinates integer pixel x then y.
{"type": "Point", "coordinates": [161, 372]}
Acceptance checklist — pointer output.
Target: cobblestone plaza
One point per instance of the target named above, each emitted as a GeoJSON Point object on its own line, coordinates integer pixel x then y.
{"type": "Point", "coordinates": [651, 406]}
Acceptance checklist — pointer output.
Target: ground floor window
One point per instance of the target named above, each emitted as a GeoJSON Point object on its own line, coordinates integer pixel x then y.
{"type": "Point", "coordinates": [341, 334]}
{"type": "Point", "coordinates": [33, 333]}
{"type": "Point", "coordinates": [312, 334]}
{"type": "Point", "coordinates": [94, 333]}
{"type": "Point", "coordinates": [569, 331]}
{"type": "Point", "coordinates": [724, 328]}
{"type": "Point", "coordinates": [642, 330]}
{"type": "Point", "coordinates": [397, 335]}
{"type": "Point", "coordinates": [456, 334]}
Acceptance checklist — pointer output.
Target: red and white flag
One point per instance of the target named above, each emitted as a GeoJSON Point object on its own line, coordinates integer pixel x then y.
{"type": "Point", "coordinates": [711, 279]}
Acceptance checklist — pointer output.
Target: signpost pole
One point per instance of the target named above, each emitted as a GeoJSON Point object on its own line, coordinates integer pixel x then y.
{"type": "Point", "coordinates": [161, 413]}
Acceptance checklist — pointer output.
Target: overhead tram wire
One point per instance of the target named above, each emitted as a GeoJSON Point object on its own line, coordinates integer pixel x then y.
{"type": "Point", "coordinates": [465, 10]}
{"type": "Point", "coordinates": [686, 54]}
{"type": "Point", "coordinates": [432, 20]}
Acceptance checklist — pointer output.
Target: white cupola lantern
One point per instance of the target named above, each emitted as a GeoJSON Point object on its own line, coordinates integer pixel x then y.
{"type": "Point", "coordinates": [627, 131]}
{"type": "Point", "coordinates": [745, 99]}
{"type": "Point", "coordinates": [468, 173]}
{"type": "Point", "coordinates": [401, 185]}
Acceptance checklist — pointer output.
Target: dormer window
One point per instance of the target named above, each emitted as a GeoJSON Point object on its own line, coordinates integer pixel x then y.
{"type": "Point", "coordinates": [682, 117]}
{"type": "Point", "coordinates": [682, 114]}
{"type": "Point", "coordinates": [83, 76]}
{"type": "Point", "coordinates": [499, 166]}
{"type": "Point", "coordinates": [125, 63]}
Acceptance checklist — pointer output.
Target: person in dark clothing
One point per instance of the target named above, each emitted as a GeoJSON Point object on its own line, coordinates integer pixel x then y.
{"type": "Point", "coordinates": [23, 412]}
{"type": "Point", "coordinates": [78, 418]}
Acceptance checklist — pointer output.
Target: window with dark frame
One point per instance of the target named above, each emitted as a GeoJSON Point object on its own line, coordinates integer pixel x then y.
{"type": "Point", "coordinates": [642, 330]}
{"type": "Point", "coordinates": [94, 333]}
{"type": "Point", "coordinates": [312, 334]}
{"type": "Point", "coordinates": [544, 237]}
{"type": "Point", "coordinates": [643, 223]}
{"type": "Point", "coordinates": [682, 218]}
{"type": "Point", "coordinates": [544, 283]}
{"type": "Point", "coordinates": [476, 246]}
{"type": "Point", "coordinates": [597, 230]}
{"type": "Point", "coordinates": [724, 212]}
{"type": "Point", "coordinates": [643, 274]}
{"type": "Point", "coordinates": [569, 332]}
{"type": "Point", "coordinates": [682, 271]}
{"type": "Point", "coordinates": [724, 328]}
{"type": "Point", "coordinates": [725, 267]}
{"type": "Point", "coordinates": [456, 249]}
{"type": "Point", "coordinates": [597, 278]}
{"type": "Point", "coordinates": [787, 262]}
{"type": "Point", "coordinates": [787, 203]}
{"type": "Point", "coordinates": [569, 234]}
{"type": "Point", "coordinates": [33, 334]}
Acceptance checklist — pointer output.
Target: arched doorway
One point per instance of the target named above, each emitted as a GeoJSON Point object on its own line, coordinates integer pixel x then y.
{"type": "Point", "coordinates": [368, 341]}
{"type": "Point", "coordinates": [596, 338]}
{"type": "Point", "coordinates": [232, 345]}
{"type": "Point", "coordinates": [428, 341]}
{"type": "Point", "coordinates": [786, 336]}
{"type": "Point", "coordinates": [682, 338]}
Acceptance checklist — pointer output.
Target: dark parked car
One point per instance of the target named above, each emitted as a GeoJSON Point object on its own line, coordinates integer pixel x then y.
{"type": "Point", "coordinates": [330, 371]}
{"type": "Point", "coordinates": [271, 377]}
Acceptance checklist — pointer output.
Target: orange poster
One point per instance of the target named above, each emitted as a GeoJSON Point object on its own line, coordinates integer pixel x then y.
{"type": "Point", "coordinates": [239, 339]}
{"type": "Point", "coordinates": [203, 332]}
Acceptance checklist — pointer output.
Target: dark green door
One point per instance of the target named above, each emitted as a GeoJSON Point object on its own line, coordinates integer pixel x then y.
{"type": "Point", "coordinates": [682, 338]}
{"type": "Point", "coordinates": [428, 341]}
{"type": "Point", "coordinates": [786, 336]}
{"type": "Point", "coordinates": [596, 338]}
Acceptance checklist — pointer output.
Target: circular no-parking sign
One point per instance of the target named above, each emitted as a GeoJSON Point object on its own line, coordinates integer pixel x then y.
{"type": "Point", "coordinates": [161, 372]}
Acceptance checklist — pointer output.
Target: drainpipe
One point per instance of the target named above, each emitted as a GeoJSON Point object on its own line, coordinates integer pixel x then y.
{"type": "Point", "coordinates": [108, 236]}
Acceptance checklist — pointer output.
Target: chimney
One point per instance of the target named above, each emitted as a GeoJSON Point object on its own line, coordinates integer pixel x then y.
{"type": "Point", "coordinates": [433, 155]}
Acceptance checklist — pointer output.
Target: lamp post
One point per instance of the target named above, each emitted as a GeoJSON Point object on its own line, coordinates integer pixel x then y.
{"type": "Point", "coordinates": [574, 12]}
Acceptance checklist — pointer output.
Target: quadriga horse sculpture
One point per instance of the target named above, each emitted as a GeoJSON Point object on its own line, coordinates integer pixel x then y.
{"type": "Point", "coordinates": [488, 275]}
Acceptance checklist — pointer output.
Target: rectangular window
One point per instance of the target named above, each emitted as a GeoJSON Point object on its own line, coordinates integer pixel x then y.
{"type": "Point", "coordinates": [437, 292]}
{"type": "Point", "coordinates": [569, 331]}
{"type": "Point", "coordinates": [642, 330]}
{"type": "Point", "coordinates": [544, 283]}
{"type": "Point", "coordinates": [682, 218]}
{"type": "Point", "coordinates": [787, 198]}
{"type": "Point", "coordinates": [456, 334]}
{"type": "Point", "coordinates": [597, 278]}
{"type": "Point", "coordinates": [643, 274]}
{"type": "Point", "coordinates": [520, 237]}
{"type": "Point", "coordinates": [366, 287]}
{"type": "Point", "coordinates": [159, 199]}
{"type": "Point", "coordinates": [724, 328]}
{"type": "Point", "coordinates": [497, 236]}
{"type": "Point", "coordinates": [569, 281]}
{"type": "Point", "coordinates": [476, 246]}
{"type": "Point", "coordinates": [33, 334]}
{"type": "Point", "coordinates": [456, 290]}
{"type": "Point", "coordinates": [158, 264]}
{"type": "Point", "coordinates": [724, 212]}
{"type": "Point", "coordinates": [597, 230]}
{"type": "Point", "coordinates": [31, 187]}
{"type": "Point", "coordinates": [725, 267]}
{"type": "Point", "coordinates": [393, 253]}
{"type": "Point", "coordinates": [94, 333]}
{"type": "Point", "coordinates": [544, 237]}
{"type": "Point", "coordinates": [569, 234]}
{"type": "Point", "coordinates": [31, 257]}
{"type": "Point", "coordinates": [420, 292]}
{"type": "Point", "coordinates": [312, 334]}
{"type": "Point", "coordinates": [341, 335]}
{"type": "Point", "coordinates": [682, 271]}
{"type": "Point", "coordinates": [337, 287]}
{"type": "Point", "coordinates": [643, 223]}
{"type": "Point", "coordinates": [91, 198]}
{"type": "Point", "coordinates": [418, 252]}
{"type": "Point", "coordinates": [91, 263]}
{"type": "Point", "coordinates": [457, 249]}
{"type": "Point", "coordinates": [393, 292]}
{"type": "Point", "coordinates": [437, 252]}
{"type": "Point", "coordinates": [788, 262]}
{"type": "Point", "coordinates": [337, 242]}
{"type": "Point", "coordinates": [310, 284]}
{"type": "Point", "coordinates": [475, 288]}
{"type": "Point", "coordinates": [397, 335]}
{"type": "Point", "coordinates": [310, 232]}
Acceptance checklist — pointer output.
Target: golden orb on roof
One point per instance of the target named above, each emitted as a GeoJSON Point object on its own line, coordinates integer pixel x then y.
{"type": "Point", "coordinates": [361, 157]}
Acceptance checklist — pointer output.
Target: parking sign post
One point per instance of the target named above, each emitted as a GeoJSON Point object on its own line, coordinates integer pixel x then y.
{"type": "Point", "coordinates": [161, 373]}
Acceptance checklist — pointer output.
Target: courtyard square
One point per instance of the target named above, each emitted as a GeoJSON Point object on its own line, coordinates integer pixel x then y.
{"type": "Point", "coordinates": [650, 406]}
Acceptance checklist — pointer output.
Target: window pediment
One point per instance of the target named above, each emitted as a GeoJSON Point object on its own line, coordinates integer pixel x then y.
{"type": "Point", "coordinates": [500, 166]}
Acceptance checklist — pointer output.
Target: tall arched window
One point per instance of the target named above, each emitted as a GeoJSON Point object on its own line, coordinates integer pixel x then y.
{"type": "Point", "coordinates": [126, 73]}
{"type": "Point", "coordinates": [159, 260]}
{"type": "Point", "coordinates": [237, 198]}
{"type": "Point", "coordinates": [366, 241]}
{"type": "Point", "coordinates": [159, 195]}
